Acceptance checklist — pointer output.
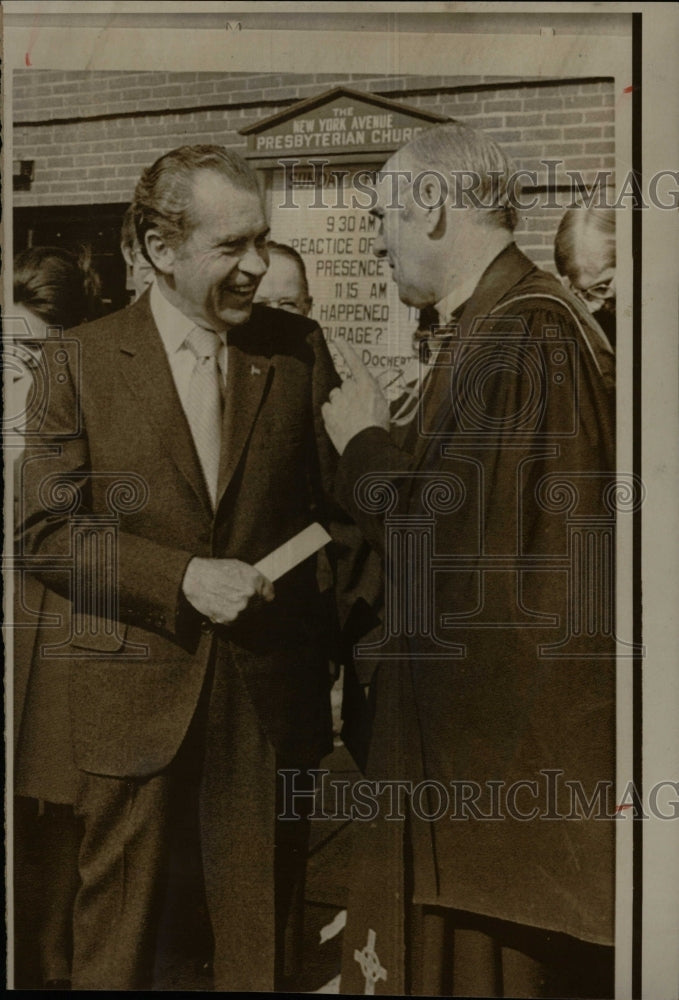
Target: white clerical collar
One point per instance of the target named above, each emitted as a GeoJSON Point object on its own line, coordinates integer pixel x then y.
{"type": "Point", "coordinates": [450, 302]}
{"type": "Point", "coordinates": [173, 326]}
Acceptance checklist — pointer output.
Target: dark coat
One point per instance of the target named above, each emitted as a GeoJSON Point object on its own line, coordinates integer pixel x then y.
{"type": "Point", "coordinates": [471, 678]}
{"type": "Point", "coordinates": [43, 750]}
{"type": "Point", "coordinates": [117, 433]}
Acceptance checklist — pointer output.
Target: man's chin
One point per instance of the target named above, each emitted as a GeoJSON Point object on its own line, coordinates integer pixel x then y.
{"type": "Point", "coordinates": [410, 297]}
{"type": "Point", "coordinates": [236, 315]}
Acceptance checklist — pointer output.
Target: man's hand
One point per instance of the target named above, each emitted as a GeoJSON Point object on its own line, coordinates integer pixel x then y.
{"type": "Point", "coordinates": [223, 588]}
{"type": "Point", "coordinates": [359, 403]}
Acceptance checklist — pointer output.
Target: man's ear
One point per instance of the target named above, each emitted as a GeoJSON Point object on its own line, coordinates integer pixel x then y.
{"type": "Point", "coordinates": [435, 219]}
{"type": "Point", "coordinates": [161, 253]}
{"type": "Point", "coordinates": [432, 202]}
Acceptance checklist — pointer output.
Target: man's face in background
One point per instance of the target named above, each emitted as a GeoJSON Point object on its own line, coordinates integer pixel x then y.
{"type": "Point", "coordinates": [593, 276]}
{"type": "Point", "coordinates": [283, 286]}
{"type": "Point", "coordinates": [139, 271]}
{"type": "Point", "coordinates": [592, 280]}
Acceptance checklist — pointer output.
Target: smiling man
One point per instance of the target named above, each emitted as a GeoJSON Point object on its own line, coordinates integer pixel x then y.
{"type": "Point", "coordinates": [192, 680]}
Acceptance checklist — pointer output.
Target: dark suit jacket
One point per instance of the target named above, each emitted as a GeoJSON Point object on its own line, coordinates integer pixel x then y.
{"type": "Point", "coordinates": [507, 419]}
{"type": "Point", "coordinates": [115, 430]}
{"type": "Point", "coordinates": [43, 754]}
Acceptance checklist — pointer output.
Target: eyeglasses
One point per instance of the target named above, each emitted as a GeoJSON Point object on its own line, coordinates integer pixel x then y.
{"type": "Point", "coordinates": [597, 293]}
{"type": "Point", "coordinates": [288, 305]}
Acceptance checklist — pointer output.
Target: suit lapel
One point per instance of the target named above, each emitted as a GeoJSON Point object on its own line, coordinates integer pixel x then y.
{"type": "Point", "coordinates": [248, 376]}
{"type": "Point", "coordinates": [147, 372]}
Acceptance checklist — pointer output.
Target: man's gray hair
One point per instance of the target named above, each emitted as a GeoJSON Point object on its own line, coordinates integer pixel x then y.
{"type": "Point", "coordinates": [467, 157]}
{"type": "Point", "coordinates": [575, 227]}
{"type": "Point", "coordinates": [164, 194]}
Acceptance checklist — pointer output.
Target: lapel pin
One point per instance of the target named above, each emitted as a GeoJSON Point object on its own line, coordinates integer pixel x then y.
{"type": "Point", "coordinates": [254, 370]}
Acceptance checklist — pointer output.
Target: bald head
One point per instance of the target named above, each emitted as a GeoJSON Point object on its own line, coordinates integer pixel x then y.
{"type": "Point", "coordinates": [443, 204]}
{"type": "Point", "coordinates": [468, 160]}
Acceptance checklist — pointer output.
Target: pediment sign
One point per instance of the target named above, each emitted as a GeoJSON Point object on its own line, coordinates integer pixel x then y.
{"type": "Point", "coordinates": [341, 125]}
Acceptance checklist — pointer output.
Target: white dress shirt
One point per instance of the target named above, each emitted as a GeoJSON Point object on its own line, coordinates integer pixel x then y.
{"type": "Point", "coordinates": [174, 327]}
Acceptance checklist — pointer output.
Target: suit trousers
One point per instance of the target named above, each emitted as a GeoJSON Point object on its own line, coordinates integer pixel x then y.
{"type": "Point", "coordinates": [224, 783]}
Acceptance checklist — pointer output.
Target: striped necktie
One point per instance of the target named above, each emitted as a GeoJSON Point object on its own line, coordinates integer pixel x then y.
{"type": "Point", "coordinates": [429, 321]}
{"type": "Point", "coordinates": [429, 332]}
{"type": "Point", "coordinates": [204, 403]}
{"type": "Point", "coordinates": [404, 408]}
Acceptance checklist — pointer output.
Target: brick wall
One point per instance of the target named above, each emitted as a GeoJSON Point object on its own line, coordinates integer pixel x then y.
{"type": "Point", "coordinates": [90, 134]}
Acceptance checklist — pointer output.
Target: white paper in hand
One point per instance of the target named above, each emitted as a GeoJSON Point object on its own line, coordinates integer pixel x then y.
{"type": "Point", "coordinates": [293, 552]}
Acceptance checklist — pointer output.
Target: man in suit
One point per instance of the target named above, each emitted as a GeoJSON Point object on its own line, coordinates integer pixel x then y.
{"type": "Point", "coordinates": [183, 443]}
{"type": "Point", "coordinates": [492, 673]}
